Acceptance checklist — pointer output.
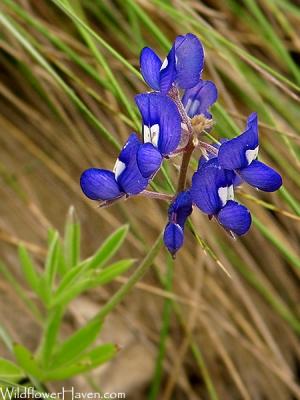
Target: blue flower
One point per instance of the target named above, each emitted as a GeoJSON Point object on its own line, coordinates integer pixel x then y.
{"type": "Point", "coordinates": [212, 192]}
{"type": "Point", "coordinates": [178, 212]}
{"type": "Point", "coordinates": [200, 98]}
{"type": "Point", "coordinates": [161, 131]}
{"type": "Point", "coordinates": [182, 66]}
{"type": "Point", "coordinates": [126, 178]}
{"type": "Point", "coordinates": [240, 154]}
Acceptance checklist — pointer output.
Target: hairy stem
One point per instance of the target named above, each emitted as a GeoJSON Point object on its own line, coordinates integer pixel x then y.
{"type": "Point", "coordinates": [156, 195]}
{"type": "Point", "coordinates": [174, 94]}
{"type": "Point", "coordinates": [184, 165]}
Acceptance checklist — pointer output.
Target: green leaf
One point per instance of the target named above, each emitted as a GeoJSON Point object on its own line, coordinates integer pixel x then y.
{"type": "Point", "coordinates": [91, 280]}
{"type": "Point", "coordinates": [50, 333]}
{"type": "Point", "coordinates": [72, 348]}
{"type": "Point", "coordinates": [88, 361]}
{"type": "Point", "coordinates": [67, 295]}
{"type": "Point", "coordinates": [103, 254]}
{"type": "Point", "coordinates": [108, 248]}
{"type": "Point", "coordinates": [27, 361]}
{"type": "Point", "coordinates": [51, 265]}
{"type": "Point", "coordinates": [9, 370]}
{"type": "Point", "coordinates": [29, 269]}
{"type": "Point", "coordinates": [69, 278]}
{"type": "Point", "coordinates": [111, 272]}
{"type": "Point", "coordinates": [72, 239]}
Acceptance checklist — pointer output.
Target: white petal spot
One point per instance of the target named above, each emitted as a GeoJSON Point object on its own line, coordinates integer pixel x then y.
{"type": "Point", "coordinates": [223, 194]}
{"type": "Point", "coordinates": [188, 105]}
{"type": "Point", "coordinates": [151, 135]}
{"type": "Point", "coordinates": [194, 106]}
{"type": "Point", "coordinates": [146, 134]}
{"type": "Point", "coordinates": [251, 155]}
{"type": "Point", "coordinates": [230, 194]}
{"type": "Point", "coordinates": [118, 168]}
{"type": "Point", "coordinates": [164, 64]}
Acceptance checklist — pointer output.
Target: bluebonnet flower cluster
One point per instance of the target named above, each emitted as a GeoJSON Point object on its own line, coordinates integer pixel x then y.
{"type": "Point", "coordinates": [174, 115]}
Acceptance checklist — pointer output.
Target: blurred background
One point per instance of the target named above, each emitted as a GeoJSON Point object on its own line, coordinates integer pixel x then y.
{"type": "Point", "coordinates": [225, 315]}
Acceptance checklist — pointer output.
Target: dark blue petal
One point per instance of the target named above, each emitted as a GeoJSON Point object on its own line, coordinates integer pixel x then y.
{"type": "Point", "coordinates": [150, 67]}
{"type": "Point", "coordinates": [126, 169]}
{"type": "Point", "coordinates": [203, 160]}
{"type": "Point", "coordinates": [161, 121]}
{"type": "Point", "coordinates": [189, 60]}
{"type": "Point", "coordinates": [130, 148]}
{"type": "Point", "coordinates": [237, 181]}
{"type": "Point", "coordinates": [99, 184]}
{"type": "Point", "coordinates": [149, 159]}
{"type": "Point", "coordinates": [167, 72]}
{"type": "Point", "coordinates": [181, 208]}
{"type": "Point", "coordinates": [235, 217]}
{"type": "Point", "coordinates": [210, 187]}
{"type": "Point", "coordinates": [242, 150]}
{"type": "Point", "coordinates": [200, 98]}
{"type": "Point", "coordinates": [252, 122]}
{"type": "Point", "coordinates": [261, 176]}
{"type": "Point", "coordinates": [173, 237]}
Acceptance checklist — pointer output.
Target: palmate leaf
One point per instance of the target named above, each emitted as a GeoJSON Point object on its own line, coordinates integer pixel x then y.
{"type": "Point", "coordinates": [29, 269]}
{"type": "Point", "coordinates": [108, 248]}
{"type": "Point", "coordinates": [49, 338]}
{"type": "Point", "coordinates": [52, 259]}
{"type": "Point", "coordinates": [27, 361]}
{"type": "Point", "coordinates": [86, 362]}
{"type": "Point", "coordinates": [92, 279]}
{"type": "Point", "coordinates": [51, 265]}
{"type": "Point", "coordinates": [72, 348]}
{"type": "Point", "coordinates": [98, 260]}
{"type": "Point", "coordinates": [111, 272]}
{"type": "Point", "coordinates": [9, 370]}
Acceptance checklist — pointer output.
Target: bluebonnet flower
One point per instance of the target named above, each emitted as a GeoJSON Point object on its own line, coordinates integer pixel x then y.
{"type": "Point", "coordinates": [161, 130]}
{"type": "Point", "coordinates": [170, 126]}
{"type": "Point", "coordinates": [126, 178]}
{"type": "Point", "coordinates": [212, 192]}
{"type": "Point", "coordinates": [182, 66]}
{"type": "Point", "coordinates": [200, 98]}
{"type": "Point", "coordinates": [179, 210]}
{"type": "Point", "coordinates": [240, 154]}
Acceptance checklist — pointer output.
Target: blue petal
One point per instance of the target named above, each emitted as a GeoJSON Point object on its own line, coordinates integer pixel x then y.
{"type": "Point", "coordinates": [181, 208]}
{"type": "Point", "coordinates": [150, 67]}
{"type": "Point", "coordinates": [252, 122]}
{"type": "Point", "coordinates": [237, 181]}
{"type": "Point", "coordinates": [129, 149]}
{"type": "Point", "coordinates": [239, 152]}
{"type": "Point", "coordinates": [261, 176]}
{"type": "Point", "coordinates": [173, 237]}
{"type": "Point", "coordinates": [99, 184]}
{"type": "Point", "coordinates": [207, 182]}
{"type": "Point", "coordinates": [167, 72]}
{"type": "Point", "coordinates": [189, 60]}
{"type": "Point", "coordinates": [149, 159]}
{"type": "Point", "coordinates": [198, 99]}
{"type": "Point", "coordinates": [235, 217]}
{"type": "Point", "coordinates": [130, 178]}
{"type": "Point", "coordinates": [161, 121]}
